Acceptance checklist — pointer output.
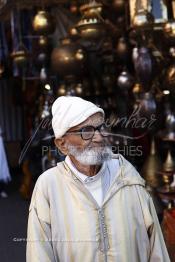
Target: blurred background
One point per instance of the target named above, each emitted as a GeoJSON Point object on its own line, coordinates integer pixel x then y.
{"type": "Point", "coordinates": [119, 54]}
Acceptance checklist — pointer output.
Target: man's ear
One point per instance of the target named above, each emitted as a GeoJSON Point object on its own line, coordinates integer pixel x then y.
{"type": "Point", "coordinates": [61, 144]}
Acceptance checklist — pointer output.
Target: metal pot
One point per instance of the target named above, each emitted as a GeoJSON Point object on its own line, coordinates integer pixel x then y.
{"type": "Point", "coordinates": [68, 58]}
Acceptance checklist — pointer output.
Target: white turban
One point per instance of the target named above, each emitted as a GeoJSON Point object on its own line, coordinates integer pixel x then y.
{"type": "Point", "coordinates": [70, 111]}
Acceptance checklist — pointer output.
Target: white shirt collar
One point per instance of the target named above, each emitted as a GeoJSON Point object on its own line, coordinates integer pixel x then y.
{"type": "Point", "coordinates": [84, 178]}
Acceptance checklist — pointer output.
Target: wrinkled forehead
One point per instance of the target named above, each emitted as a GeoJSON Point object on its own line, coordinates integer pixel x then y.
{"type": "Point", "coordinates": [94, 120]}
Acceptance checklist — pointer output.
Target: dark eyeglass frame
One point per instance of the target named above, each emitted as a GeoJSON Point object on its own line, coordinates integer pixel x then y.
{"type": "Point", "coordinates": [80, 131]}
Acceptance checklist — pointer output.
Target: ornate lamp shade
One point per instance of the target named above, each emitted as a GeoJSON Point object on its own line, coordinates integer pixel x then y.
{"type": "Point", "coordinates": [68, 58]}
{"type": "Point", "coordinates": [91, 26]}
{"type": "Point", "coordinates": [43, 23]}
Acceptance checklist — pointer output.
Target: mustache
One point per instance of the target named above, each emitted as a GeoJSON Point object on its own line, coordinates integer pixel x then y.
{"type": "Point", "coordinates": [98, 144]}
{"type": "Point", "coordinates": [93, 147]}
{"type": "Point", "coordinates": [90, 146]}
{"type": "Point", "coordinates": [95, 144]}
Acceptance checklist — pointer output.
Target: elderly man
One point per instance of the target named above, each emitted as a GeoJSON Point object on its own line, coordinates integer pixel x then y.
{"type": "Point", "coordinates": [93, 206]}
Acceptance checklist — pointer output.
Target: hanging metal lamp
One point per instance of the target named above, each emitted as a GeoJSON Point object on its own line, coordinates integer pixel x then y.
{"type": "Point", "coordinates": [91, 26]}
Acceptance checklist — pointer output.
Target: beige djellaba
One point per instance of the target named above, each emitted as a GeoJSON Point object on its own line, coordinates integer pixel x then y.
{"type": "Point", "coordinates": [66, 224]}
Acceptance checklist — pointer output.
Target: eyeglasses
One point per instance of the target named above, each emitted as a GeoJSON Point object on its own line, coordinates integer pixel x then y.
{"type": "Point", "coordinates": [88, 132]}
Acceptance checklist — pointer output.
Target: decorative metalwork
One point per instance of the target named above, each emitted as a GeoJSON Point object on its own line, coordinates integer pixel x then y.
{"type": "Point", "coordinates": [91, 26]}
{"type": "Point", "coordinates": [151, 166]}
{"type": "Point", "coordinates": [68, 58]}
{"type": "Point", "coordinates": [43, 23]}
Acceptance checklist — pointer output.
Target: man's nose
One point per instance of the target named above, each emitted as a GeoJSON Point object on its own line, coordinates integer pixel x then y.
{"type": "Point", "coordinates": [97, 137]}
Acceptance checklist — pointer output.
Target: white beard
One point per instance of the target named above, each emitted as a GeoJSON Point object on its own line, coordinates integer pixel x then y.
{"type": "Point", "coordinates": [91, 156]}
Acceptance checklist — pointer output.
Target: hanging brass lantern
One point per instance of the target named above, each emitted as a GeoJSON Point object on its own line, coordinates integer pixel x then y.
{"type": "Point", "coordinates": [43, 23]}
{"type": "Point", "coordinates": [20, 56]}
{"type": "Point", "coordinates": [91, 9]}
{"type": "Point", "coordinates": [91, 26]}
{"type": "Point", "coordinates": [151, 166]}
{"type": "Point", "coordinates": [68, 58]}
